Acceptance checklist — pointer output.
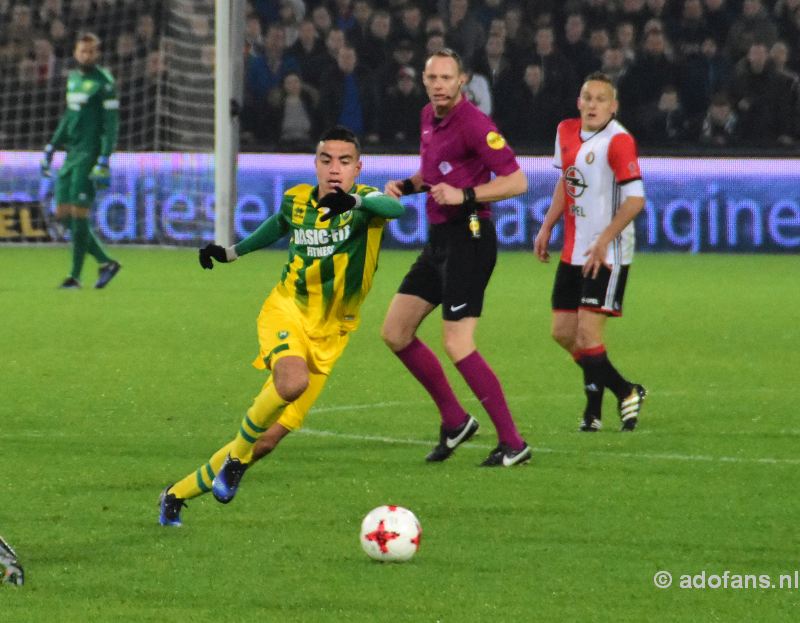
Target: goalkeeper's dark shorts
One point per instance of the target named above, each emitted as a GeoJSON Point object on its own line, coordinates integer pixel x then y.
{"type": "Point", "coordinates": [454, 268]}
{"type": "Point", "coordinates": [73, 185]}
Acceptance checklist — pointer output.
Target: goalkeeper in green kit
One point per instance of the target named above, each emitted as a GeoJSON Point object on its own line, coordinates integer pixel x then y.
{"type": "Point", "coordinates": [88, 132]}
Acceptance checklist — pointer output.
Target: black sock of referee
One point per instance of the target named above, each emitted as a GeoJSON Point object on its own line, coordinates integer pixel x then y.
{"type": "Point", "coordinates": [597, 369]}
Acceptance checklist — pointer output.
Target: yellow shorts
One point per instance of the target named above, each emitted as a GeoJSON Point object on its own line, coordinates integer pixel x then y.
{"type": "Point", "coordinates": [281, 334]}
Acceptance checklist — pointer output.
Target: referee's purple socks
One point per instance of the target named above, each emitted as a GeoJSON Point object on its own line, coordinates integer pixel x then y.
{"type": "Point", "coordinates": [486, 386]}
{"type": "Point", "coordinates": [424, 365]}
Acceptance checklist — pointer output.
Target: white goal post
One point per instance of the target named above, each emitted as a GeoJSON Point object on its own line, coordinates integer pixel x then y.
{"type": "Point", "coordinates": [228, 94]}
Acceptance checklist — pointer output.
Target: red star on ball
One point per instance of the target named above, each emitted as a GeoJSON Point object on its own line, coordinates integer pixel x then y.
{"type": "Point", "coordinates": [381, 536]}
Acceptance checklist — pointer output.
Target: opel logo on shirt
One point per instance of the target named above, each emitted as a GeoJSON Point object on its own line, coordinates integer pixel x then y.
{"type": "Point", "coordinates": [575, 182]}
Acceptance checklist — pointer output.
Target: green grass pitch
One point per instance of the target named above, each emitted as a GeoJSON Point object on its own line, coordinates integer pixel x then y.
{"type": "Point", "coordinates": [107, 396]}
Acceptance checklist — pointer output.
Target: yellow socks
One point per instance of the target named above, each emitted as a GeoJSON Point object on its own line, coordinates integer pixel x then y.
{"type": "Point", "coordinates": [264, 412]}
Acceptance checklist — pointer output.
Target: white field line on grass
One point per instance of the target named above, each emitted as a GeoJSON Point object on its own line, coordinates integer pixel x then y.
{"type": "Point", "coordinates": [646, 456]}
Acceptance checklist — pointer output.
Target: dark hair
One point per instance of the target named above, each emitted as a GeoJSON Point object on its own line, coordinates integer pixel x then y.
{"type": "Point", "coordinates": [449, 53]}
{"type": "Point", "coordinates": [341, 133]}
{"type": "Point", "coordinates": [88, 37]}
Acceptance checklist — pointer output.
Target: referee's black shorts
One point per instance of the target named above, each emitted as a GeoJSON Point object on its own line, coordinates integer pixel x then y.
{"type": "Point", "coordinates": [454, 268]}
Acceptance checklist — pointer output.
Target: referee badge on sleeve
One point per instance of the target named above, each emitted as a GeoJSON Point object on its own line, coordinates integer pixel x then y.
{"type": "Point", "coordinates": [495, 140]}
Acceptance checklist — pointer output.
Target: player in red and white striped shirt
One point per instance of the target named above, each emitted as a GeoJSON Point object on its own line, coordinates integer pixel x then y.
{"type": "Point", "coordinates": [600, 193]}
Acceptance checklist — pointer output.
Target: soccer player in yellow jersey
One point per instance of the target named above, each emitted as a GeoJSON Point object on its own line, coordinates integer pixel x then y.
{"type": "Point", "coordinates": [335, 231]}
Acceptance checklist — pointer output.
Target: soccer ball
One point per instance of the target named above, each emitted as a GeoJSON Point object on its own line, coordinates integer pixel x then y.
{"type": "Point", "coordinates": [390, 533]}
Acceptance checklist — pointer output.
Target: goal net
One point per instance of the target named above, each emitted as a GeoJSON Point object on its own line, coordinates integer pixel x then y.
{"type": "Point", "coordinates": [162, 56]}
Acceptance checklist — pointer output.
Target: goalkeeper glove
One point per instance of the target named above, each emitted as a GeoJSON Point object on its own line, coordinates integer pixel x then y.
{"type": "Point", "coordinates": [101, 173]}
{"type": "Point", "coordinates": [47, 159]}
{"type": "Point", "coordinates": [215, 251]}
{"type": "Point", "coordinates": [336, 203]}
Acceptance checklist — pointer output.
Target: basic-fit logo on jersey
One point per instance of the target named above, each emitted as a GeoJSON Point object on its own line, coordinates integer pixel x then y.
{"type": "Point", "coordinates": [495, 140]}
{"type": "Point", "coordinates": [575, 182]}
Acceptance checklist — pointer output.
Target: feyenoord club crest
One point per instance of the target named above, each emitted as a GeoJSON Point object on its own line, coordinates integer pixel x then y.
{"type": "Point", "coordinates": [590, 157]}
{"type": "Point", "coordinates": [575, 182]}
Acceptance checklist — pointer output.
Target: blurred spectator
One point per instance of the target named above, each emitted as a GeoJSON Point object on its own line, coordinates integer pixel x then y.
{"type": "Point", "coordinates": [376, 50]}
{"type": "Point", "coordinates": [464, 32]}
{"type": "Point", "coordinates": [625, 40]}
{"type": "Point", "coordinates": [146, 36]}
{"type": "Point", "coordinates": [267, 10]}
{"type": "Point", "coordinates": [403, 101]}
{"type": "Point", "coordinates": [343, 15]}
{"type": "Point", "coordinates": [411, 26]}
{"type": "Point", "coordinates": [80, 15]}
{"type": "Point", "coordinates": [657, 9]}
{"type": "Point", "coordinates": [534, 115]}
{"type": "Point", "coordinates": [291, 120]}
{"type": "Point", "coordinates": [691, 29]}
{"type": "Point", "coordinates": [46, 65]}
{"type": "Point", "coordinates": [21, 28]}
{"type": "Point", "coordinates": [787, 15]}
{"type": "Point", "coordinates": [643, 83]}
{"type": "Point", "coordinates": [720, 126]}
{"type": "Point", "coordinates": [61, 39]}
{"type": "Point", "coordinates": [575, 48]}
{"type": "Point", "coordinates": [266, 71]}
{"type": "Point", "coordinates": [614, 64]}
{"type": "Point", "coordinates": [476, 90]}
{"type": "Point", "coordinates": [48, 11]}
{"type": "Point", "coordinates": [599, 40]}
{"type": "Point", "coordinates": [489, 10]}
{"type": "Point", "coordinates": [495, 64]}
{"type": "Point", "coordinates": [703, 74]}
{"type": "Point", "coordinates": [596, 13]}
{"type": "Point", "coordinates": [519, 37]}
{"type": "Point", "coordinates": [348, 96]}
{"type": "Point", "coordinates": [253, 37]}
{"type": "Point", "coordinates": [633, 11]}
{"type": "Point", "coordinates": [718, 18]}
{"type": "Point", "coordinates": [290, 14]}
{"type": "Point", "coordinates": [403, 55]}
{"type": "Point", "coordinates": [779, 54]}
{"type": "Point", "coordinates": [435, 24]}
{"type": "Point", "coordinates": [323, 21]}
{"type": "Point", "coordinates": [308, 51]}
{"type": "Point", "coordinates": [562, 82]}
{"type": "Point", "coordinates": [753, 25]}
{"type": "Point", "coordinates": [434, 43]}
{"type": "Point", "coordinates": [762, 102]}
{"type": "Point", "coordinates": [665, 122]}
{"type": "Point", "coordinates": [320, 65]}
{"type": "Point", "coordinates": [362, 15]}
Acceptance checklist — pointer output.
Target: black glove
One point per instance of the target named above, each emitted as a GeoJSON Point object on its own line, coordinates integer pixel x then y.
{"type": "Point", "coordinates": [337, 202]}
{"type": "Point", "coordinates": [209, 251]}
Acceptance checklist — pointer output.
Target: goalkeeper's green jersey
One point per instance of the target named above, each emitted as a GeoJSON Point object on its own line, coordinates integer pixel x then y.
{"type": "Point", "coordinates": [90, 123]}
{"type": "Point", "coordinates": [331, 263]}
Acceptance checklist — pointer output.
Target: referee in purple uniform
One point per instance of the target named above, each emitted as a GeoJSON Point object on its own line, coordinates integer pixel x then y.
{"type": "Point", "coordinates": [460, 148]}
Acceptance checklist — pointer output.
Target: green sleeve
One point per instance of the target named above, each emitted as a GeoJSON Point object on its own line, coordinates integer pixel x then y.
{"type": "Point", "coordinates": [382, 205]}
{"type": "Point", "coordinates": [108, 139]}
{"type": "Point", "coordinates": [271, 230]}
{"type": "Point", "coordinates": [61, 130]}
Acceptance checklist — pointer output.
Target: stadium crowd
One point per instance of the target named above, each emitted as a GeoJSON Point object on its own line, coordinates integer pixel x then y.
{"type": "Point", "coordinates": [716, 73]}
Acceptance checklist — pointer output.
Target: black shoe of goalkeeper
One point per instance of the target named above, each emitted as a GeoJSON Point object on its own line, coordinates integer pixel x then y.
{"type": "Point", "coordinates": [106, 274]}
